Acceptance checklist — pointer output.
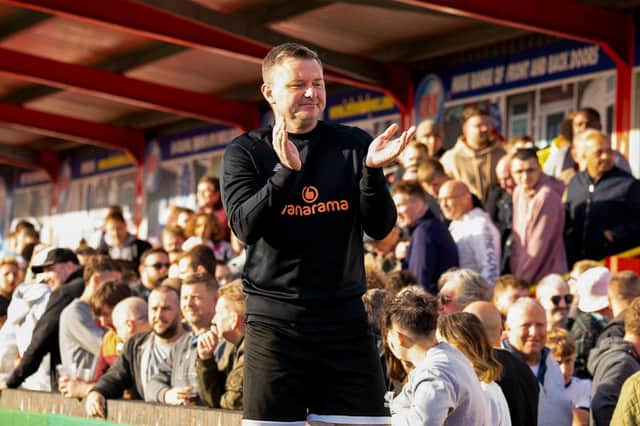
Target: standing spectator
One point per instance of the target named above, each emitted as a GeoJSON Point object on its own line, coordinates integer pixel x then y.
{"type": "Point", "coordinates": [431, 134]}
{"type": "Point", "coordinates": [594, 314]}
{"type": "Point", "coordinates": [200, 258]}
{"type": "Point", "coordinates": [172, 239]}
{"type": "Point", "coordinates": [526, 331]}
{"type": "Point", "coordinates": [460, 287]}
{"type": "Point", "coordinates": [474, 157]}
{"type": "Point", "coordinates": [204, 228]}
{"type": "Point", "coordinates": [506, 290]}
{"type": "Point", "coordinates": [623, 288]}
{"type": "Point", "coordinates": [154, 267]}
{"type": "Point", "coordinates": [563, 349]}
{"type": "Point", "coordinates": [442, 387]}
{"type": "Point", "coordinates": [603, 204]}
{"type": "Point", "coordinates": [499, 206]}
{"type": "Point", "coordinates": [210, 201]}
{"type": "Point", "coordinates": [612, 362]}
{"type": "Point", "coordinates": [538, 213]}
{"type": "Point", "coordinates": [220, 382]}
{"type": "Point", "coordinates": [431, 249]}
{"type": "Point", "coordinates": [8, 282]}
{"type": "Point", "coordinates": [413, 155]}
{"type": "Point", "coordinates": [627, 412]}
{"type": "Point", "coordinates": [142, 353]}
{"type": "Point", "coordinates": [118, 243]}
{"type": "Point", "coordinates": [477, 238]}
{"type": "Point", "coordinates": [431, 176]}
{"type": "Point", "coordinates": [553, 294]}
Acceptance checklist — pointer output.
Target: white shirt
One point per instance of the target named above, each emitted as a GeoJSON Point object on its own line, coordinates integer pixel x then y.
{"type": "Point", "coordinates": [579, 392]}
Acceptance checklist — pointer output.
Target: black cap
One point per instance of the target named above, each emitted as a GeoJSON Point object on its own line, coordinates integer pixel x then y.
{"type": "Point", "coordinates": [57, 255]}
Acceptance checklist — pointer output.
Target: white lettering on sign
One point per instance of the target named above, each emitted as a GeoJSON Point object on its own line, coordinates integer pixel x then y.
{"type": "Point", "coordinates": [558, 62]}
{"type": "Point", "coordinates": [481, 79]}
{"type": "Point", "coordinates": [181, 146]}
{"type": "Point", "coordinates": [585, 57]}
{"type": "Point", "coordinates": [460, 83]}
{"type": "Point", "coordinates": [38, 176]}
{"type": "Point", "coordinates": [539, 66]}
{"type": "Point", "coordinates": [498, 74]}
{"type": "Point", "coordinates": [87, 167]}
{"type": "Point", "coordinates": [518, 71]}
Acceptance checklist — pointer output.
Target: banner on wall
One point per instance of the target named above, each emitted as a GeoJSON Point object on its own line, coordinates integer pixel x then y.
{"type": "Point", "coordinates": [369, 110]}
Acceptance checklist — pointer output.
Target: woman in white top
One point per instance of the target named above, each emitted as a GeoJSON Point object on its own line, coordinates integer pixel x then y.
{"type": "Point", "coordinates": [465, 332]}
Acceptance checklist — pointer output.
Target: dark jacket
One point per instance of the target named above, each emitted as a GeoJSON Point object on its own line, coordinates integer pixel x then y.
{"type": "Point", "coordinates": [520, 388]}
{"type": "Point", "coordinates": [46, 332]}
{"type": "Point", "coordinates": [611, 363]}
{"type": "Point", "coordinates": [126, 372]}
{"type": "Point", "coordinates": [614, 328]}
{"type": "Point", "coordinates": [585, 329]}
{"type": "Point", "coordinates": [303, 229]}
{"type": "Point", "coordinates": [499, 206]}
{"type": "Point", "coordinates": [611, 203]}
{"type": "Point", "coordinates": [221, 383]}
{"type": "Point", "coordinates": [431, 251]}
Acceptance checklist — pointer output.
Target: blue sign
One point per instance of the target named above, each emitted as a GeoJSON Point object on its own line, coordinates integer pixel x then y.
{"type": "Point", "coordinates": [206, 139]}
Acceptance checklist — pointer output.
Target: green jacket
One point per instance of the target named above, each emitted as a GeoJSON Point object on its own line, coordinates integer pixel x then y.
{"type": "Point", "coordinates": [221, 383]}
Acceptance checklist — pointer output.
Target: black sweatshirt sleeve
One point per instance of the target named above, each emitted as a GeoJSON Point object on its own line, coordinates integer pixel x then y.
{"type": "Point", "coordinates": [250, 197]}
{"type": "Point", "coordinates": [377, 209]}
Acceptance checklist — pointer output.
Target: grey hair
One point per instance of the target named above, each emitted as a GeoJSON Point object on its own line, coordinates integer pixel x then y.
{"type": "Point", "coordinates": [473, 287]}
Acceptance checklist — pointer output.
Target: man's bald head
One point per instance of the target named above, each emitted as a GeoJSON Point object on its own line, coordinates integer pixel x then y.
{"type": "Point", "coordinates": [490, 318]}
{"type": "Point", "coordinates": [129, 316]}
{"type": "Point", "coordinates": [455, 199]}
{"type": "Point", "coordinates": [526, 329]}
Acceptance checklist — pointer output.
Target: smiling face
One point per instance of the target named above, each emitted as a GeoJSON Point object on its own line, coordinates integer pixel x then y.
{"type": "Point", "coordinates": [296, 92]}
{"type": "Point", "coordinates": [526, 328]}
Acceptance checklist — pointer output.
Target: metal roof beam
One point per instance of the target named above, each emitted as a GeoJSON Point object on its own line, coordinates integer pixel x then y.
{"type": "Point", "coordinates": [44, 160]}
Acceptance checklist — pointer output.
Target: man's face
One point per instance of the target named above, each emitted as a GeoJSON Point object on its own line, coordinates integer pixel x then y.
{"type": "Point", "coordinates": [171, 242]}
{"type": "Point", "coordinates": [104, 317]}
{"type": "Point", "coordinates": [225, 318]}
{"type": "Point", "coordinates": [197, 304]}
{"type": "Point", "coordinates": [555, 299]}
{"type": "Point", "coordinates": [164, 313]}
{"type": "Point", "coordinates": [411, 157]}
{"type": "Point", "coordinates": [56, 274]}
{"type": "Point", "coordinates": [448, 298]}
{"type": "Point", "coordinates": [8, 278]}
{"type": "Point", "coordinates": [185, 267]}
{"type": "Point", "coordinates": [567, 366]}
{"type": "Point", "coordinates": [433, 187]}
{"type": "Point", "coordinates": [430, 138]}
{"type": "Point", "coordinates": [296, 93]}
{"type": "Point", "coordinates": [116, 231]}
{"type": "Point", "coordinates": [508, 297]}
{"type": "Point", "coordinates": [202, 228]}
{"type": "Point", "coordinates": [598, 156]}
{"type": "Point", "coordinates": [581, 123]}
{"type": "Point", "coordinates": [477, 131]}
{"type": "Point", "coordinates": [503, 173]}
{"type": "Point", "coordinates": [410, 208]}
{"type": "Point", "coordinates": [453, 201]}
{"type": "Point", "coordinates": [154, 267]}
{"type": "Point", "coordinates": [526, 172]}
{"type": "Point", "coordinates": [527, 331]}
{"type": "Point", "coordinates": [207, 195]}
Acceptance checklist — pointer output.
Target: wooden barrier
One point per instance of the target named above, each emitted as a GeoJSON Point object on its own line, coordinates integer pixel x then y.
{"type": "Point", "coordinates": [119, 411]}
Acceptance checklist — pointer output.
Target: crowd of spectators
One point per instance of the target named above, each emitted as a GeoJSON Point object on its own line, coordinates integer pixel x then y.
{"type": "Point", "coordinates": [476, 312]}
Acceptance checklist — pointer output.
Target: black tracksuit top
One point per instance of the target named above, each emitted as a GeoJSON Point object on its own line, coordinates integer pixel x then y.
{"type": "Point", "coordinates": [303, 230]}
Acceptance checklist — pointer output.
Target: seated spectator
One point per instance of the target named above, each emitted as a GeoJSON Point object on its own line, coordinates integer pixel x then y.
{"type": "Point", "coordinates": [223, 274]}
{"type": "Point", "coordinates": [431, 134]}
{"type": "Point", "coordinates": [623, 288]}
{"type": "Point", "coordinates": [118, 243]}
{"type": "Point", "coordinates": [221, 382]}
{"type": "Point", "coordinates": [431, 249]}
{"type": "Point", "coordinates": [198, 259]}
{"type": "Point", "coordinates": [398, 280]}
{"type": "Point", "coordinates": [8, 283]}
{"type": "Point", "coordinates": [154, 267]}
{"type": "Point", "coordinates": [526, 331]}
{"type": "Point", "coordinates": [477, 238]}
{"type": "Point", "coordinates": [209, 201]}
{"type": "Point", "coordinates": [593, 290]}
{"type": "Point", "coordinates": [460, 287]}
{"type": "Point", "coordinates": [184, 217]}
{"type": "Point", "coordinates": [80, 335]}
{"type": "Point", "coordinates": [612, 362]}
{"type": "Point", "coordinates": [381, 254]}
{"type": "Point", "coordinates": [554, 296]}
{"type": "Point", "coordinates": [518, 383]}
{"type": "Point", "coordinates": [431, 176]}
{"type": "Point", "coordinates": [142, 353]}
{"type": "Point", "coordinates": [506, 290]}
{"type": "Point", "coordinates": [130, 317]}
{"type": "Point", "coordinates": [204, 228]}
{"type": "Point", "coordinates": [464, 332]}
{"type": "Point", "coordinates": [102, 302]}
{"type": "Point", "coordinates": [172, 239]}
{"type": "Point", "coordinates": [538, 213]}
{"type": "Point", "coordinates": [442, 387]}
{"type": "Point", "coordinates": [563, 349]}
{"type": "Point", "coordinates": [175, 382]}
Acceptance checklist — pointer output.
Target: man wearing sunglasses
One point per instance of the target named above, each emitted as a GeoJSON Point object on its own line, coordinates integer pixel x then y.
{"type": "Point", "coordinates": [553, 293]}
{"type": "Point", "coordinates": [154, 267]}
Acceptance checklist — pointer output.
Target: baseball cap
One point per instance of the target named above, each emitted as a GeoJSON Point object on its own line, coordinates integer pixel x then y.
{"type": "Point", "coordinates": [592, 288]}
{"type": "Point", "coordinates": [56, 255]}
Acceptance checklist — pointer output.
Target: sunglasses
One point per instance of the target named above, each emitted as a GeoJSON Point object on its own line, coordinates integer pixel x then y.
{"type": "Point", "coordinates": [568, 298]}
{"type": "Point", "coordinates": [445, 300]}
{"type": "Point", "coordinates": [159, 265]}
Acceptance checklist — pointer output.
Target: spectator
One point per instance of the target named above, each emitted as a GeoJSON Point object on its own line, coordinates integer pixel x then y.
{"type": "Point", "coordinates": [175, 382]}
{"type": "Point", "coordinates": [154, 266]}
{"type": "Point", "coordinates": [518, 383]}
{"type": "Point", "coordinates": [84, 252]}
{"type": "Point", "coordinates": [477, 238]}
{"type": "Point", "coordinates": [220, 382]}
{"type": "Point", "coordinates": [223, 273]}
{"type": "Point", "coordinates": [459, 287]}
{"type": "Point", "coordinates": [8, 283]}
{"type": "Point", "coordinates": [431, 134]}
{"type": "Point", "coordinates": [381, 254]}
{"type": "Point", "coordinates": [431, 249]}
{"type": "Point", "coordinates": [499, 206]}
{"type": "Point", "coordinates": [627, 410]}
{"type": "Point", "coordinates": [442, 387]}
{"type": "Point", "coordinates": [623, 288]}
{"type": "Point", "coordinates": [603, 204]}
{"type": "Point", "coordinates": [204, 228]}
{"type": "Point", "coordinates": [563, 349]}
{"type": "Point", "coordinates": [184, 216]}
{"type": "Point", "coordinates": [142, 353]}
{"type": "Point", "coordinates": [526, 331]}
{"type": "Point", "coordinates": [210, 202]}
{"type": "Point", "coordinates": [398, 280]}
{"type": "Point", "coordinates": [464, 331]}
{"type": "Point", "coordinates": [130, 317]}
{"type": "Point", "coordinates": [593, 315]}
{"type": "Point", "coordinates": [430, 175]}
{"type": "Point", "coordinates": [474, 157]}
{"type": "Point", "coordinates": [506, 290]}
{"type": "Point", "coordinates": [556, 158]}
{"type": "Point", "coordinates": [61, 270]}
{"type": "Point", "coordinates": [172, 239]}
{"type": "Point", "coordinates": [554, 296]}
{"type": "Point", "coordinates": [118, 243]}
{"type": "Point", "coordinates": [612, 362]}
{"type": "Point", "coordinates": [80, 335]}
{"type": "Point", "coordinates": [413, 155]}
{"type": "Point", "coordinates": [537, 213]}
{"type": "Point", "coordinates": [199, 259]}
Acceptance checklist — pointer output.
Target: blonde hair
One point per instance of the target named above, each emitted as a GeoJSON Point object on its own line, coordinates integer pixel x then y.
{"type": "Point", "coordinates": [561, 343]}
